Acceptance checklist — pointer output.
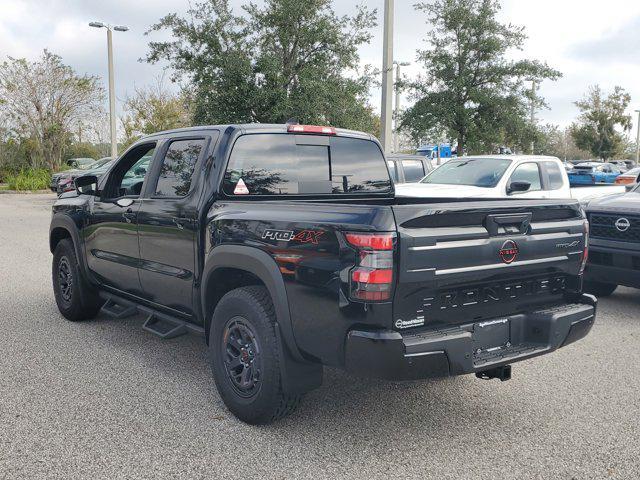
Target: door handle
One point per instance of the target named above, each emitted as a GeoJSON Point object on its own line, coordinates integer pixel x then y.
{"type": "Point", "coordinates": [509, 223]}
{"type": "Point", "coordinates": [129, 216]}
{"type": "Point", "coordinates": [180, 222]}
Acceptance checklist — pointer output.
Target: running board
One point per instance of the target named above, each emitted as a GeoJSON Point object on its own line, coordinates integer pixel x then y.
{"type": "Point", "coordinates": [159, 323]}
{"type": "Point", "coordinates": [118, 310]}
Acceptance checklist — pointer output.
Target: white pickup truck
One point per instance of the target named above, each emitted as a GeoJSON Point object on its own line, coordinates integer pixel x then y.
{"type": "Point", "coordinates": [499, 176]}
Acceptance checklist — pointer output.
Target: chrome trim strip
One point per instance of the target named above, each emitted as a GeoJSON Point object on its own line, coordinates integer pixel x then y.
{"type": "Point", "coordinates": [422, 270]}
{"type": "Point", "coordinates": [486, 241]}
{"type": "Point", "coordinates": [496, 266]}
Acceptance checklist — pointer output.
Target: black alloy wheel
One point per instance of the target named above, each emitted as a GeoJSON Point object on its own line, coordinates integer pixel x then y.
{"type": "Point", "coordinates": [65, 279]}
{"type": "Point", "coordinates": [241, 357]}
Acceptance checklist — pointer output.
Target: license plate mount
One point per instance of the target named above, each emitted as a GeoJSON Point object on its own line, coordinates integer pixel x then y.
{"type": "Point", "coordinates": [492, 334]}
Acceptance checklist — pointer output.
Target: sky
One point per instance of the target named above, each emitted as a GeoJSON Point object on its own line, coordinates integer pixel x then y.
{"type": "Point", "coordinates": [589, 41]}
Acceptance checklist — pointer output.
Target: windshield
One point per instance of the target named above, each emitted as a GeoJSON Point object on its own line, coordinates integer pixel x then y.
{"type": "Point", "coordinates": [478, 172]}
{"type": "Point", "coordinates": [101, 162]}
{"type": "Point", "coordinates": [104, 166]}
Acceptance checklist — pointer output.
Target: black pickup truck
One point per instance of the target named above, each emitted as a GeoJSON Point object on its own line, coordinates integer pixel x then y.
{"type": "Point", "coordinates": [614, 257]}
{"type": "Point", "coordinates": [285, 247]}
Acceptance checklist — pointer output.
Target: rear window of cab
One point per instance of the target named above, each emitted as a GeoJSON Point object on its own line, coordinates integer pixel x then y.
{"type": "Point", "coordinates": [288, 164]}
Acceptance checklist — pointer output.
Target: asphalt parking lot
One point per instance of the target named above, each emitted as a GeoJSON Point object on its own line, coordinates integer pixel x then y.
{"type": "Point", "coordinates": [105, 399]}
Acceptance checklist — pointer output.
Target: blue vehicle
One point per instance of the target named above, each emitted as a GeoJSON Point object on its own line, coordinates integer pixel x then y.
{"type": "Point", "coordinates": [590, 173]}
{"type": "Point", "coordinates": [431, 151]}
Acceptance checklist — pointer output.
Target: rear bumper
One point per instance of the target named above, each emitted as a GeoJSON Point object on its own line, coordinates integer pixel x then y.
{"type": "Point", "coordinates": [468, 348]}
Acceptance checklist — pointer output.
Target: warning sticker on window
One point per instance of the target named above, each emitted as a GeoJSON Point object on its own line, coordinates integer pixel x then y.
{"type": "Point", "coordinates": [241, 188]}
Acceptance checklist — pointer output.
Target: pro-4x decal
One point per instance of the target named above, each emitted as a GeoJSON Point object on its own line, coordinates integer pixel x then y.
{"type": "Point", "coordinates": [308, 236]}
{"type": "Point", "coordinates": [278, 235]}
{"type": "Point", "coordinates": [303, 236]}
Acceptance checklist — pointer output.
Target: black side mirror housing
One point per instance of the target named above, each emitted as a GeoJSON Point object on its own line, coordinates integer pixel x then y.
{"type": "Point", "coordinates": [518, 187]}
{"type": "Point", "coordinates": [86, 185]}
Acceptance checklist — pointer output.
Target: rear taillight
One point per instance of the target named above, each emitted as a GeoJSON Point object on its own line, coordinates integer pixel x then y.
{"type": "Point", "coordinates": [585, 251]}
{"type": "Point", "coordinates": [372, 278]}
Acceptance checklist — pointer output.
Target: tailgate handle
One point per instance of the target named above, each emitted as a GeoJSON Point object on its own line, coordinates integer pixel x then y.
{"type": "Point", "coordinates": [508, 223]}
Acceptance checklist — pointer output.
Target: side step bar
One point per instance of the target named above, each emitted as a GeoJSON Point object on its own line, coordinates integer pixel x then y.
{"type": "Point", "coordinates": [117, 310]}
{"type": "Point", "coordinates": [159, 323]}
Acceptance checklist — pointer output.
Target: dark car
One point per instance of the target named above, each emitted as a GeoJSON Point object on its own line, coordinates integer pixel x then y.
{"type": "Point", "coordinates": [285, 247]}
{"type": "Point", "coordinates": [614, 250]}
{"type": "Point", "coordinates": [66, 179]}
{"type": "Point", "coordinates": [81, 170]}
{"type": "Point", "coordinates": [82, 163]}
{"type": "Point", "coordinates": [408, 168]}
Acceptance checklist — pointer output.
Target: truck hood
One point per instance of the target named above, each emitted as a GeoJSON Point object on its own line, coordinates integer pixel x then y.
{"type": "Point", "coordinates": [620, 203]}
{"type": "Point", "coordinates": [430, 190]}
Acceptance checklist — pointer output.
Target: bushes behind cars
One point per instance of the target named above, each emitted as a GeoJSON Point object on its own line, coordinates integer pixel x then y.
{"type": "Point", "coordinates": [29, 179]}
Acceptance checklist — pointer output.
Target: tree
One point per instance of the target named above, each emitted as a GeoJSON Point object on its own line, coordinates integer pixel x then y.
{"type": "Point", "coordinates": [600, 117]}
{"type": "Point", "coordinates": [45, 100]}
{"type": "Point", "coordinates": [551, 140]}
{"type": "Point", "coordinates": [286, 59]}
{"type": "Point", "coordinates": [153, 109]}
{"type": "Point", "coordinates": [470, 89]}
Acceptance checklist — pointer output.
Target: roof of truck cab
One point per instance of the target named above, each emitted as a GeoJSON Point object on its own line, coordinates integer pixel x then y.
{"type": "Point", "coordinates": [253, 127]}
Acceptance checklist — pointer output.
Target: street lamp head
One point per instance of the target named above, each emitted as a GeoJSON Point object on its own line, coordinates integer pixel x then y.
{"type": "Point", "coordinates": [120, 28]}
{"type": "Point", "coordinates": [97, 24]}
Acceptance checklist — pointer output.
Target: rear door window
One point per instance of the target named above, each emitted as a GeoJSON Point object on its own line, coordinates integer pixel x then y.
{"type": "Point", "coordinates": [177, 168]}
{"type": "Point", "coordinates": [276, 164]}
{"type": "Point", "coordinates": [413, 170]}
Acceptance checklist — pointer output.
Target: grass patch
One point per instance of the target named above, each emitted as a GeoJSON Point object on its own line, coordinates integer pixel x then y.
{"type": "Point", "coordinates": [30, 179]}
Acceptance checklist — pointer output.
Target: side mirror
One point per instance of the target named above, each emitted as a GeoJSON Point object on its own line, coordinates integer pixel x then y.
{"type": "Point", "coordinates": [86, 185]}
{"type": "Point", "coordinates": [630, 187]}
{"type": "Point", "coordinates": [518, 187]}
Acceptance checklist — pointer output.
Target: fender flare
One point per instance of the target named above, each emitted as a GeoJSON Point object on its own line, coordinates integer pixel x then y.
{"type": "Point", "coordinates": [67, 223]}
{"type": "Point", "coordinates": [263, 266]}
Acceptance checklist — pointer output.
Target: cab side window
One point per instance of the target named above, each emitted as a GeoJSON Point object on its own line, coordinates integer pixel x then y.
{"type": "Point", "coordinates": [413, 170]}
{"type": "Point", "coordinates": [528, 172]}
{"type": "Point", "coordinates": [177, 168]}
{"type": "Point", "coordinates": [554, 175]}
{"type": "Point", "coordinates": [393, 171]}
{"type": "Point", "coordinates": [127, 176]}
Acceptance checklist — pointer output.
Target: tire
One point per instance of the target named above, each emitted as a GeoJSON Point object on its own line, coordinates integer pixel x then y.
{"type": "Point", "coordinates": [244, 352]}
{"type": "Point", "coordinates": [76, 299]}
{"type": "Point", "coordinates": [599, 289]}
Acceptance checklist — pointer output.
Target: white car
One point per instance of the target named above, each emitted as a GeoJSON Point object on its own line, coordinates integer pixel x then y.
{"type": "Point", "coordinates": [499, 176]}
{"type": "Point", "coordinates": [494, 176]}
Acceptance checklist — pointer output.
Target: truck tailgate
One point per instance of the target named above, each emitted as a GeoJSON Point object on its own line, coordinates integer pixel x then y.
{"type": "Point", "coordinates": [470, 260]}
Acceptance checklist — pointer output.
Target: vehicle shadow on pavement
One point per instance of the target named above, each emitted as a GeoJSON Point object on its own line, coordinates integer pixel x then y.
{"type": "Point", "coordinates": [343, 401]}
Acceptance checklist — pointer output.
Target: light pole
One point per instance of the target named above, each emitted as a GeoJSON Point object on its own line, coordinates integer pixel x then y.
{"type": "Point", "coordinates": [638, 140]}
{"type": "Point", "coordinates": [387, 77]}
{"type": "Point", "coordinates": [533, 112]}
{"type": "Point", "coordinates": [112, 93]}
{"type": "Point", "coordinates": [396, 136]}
